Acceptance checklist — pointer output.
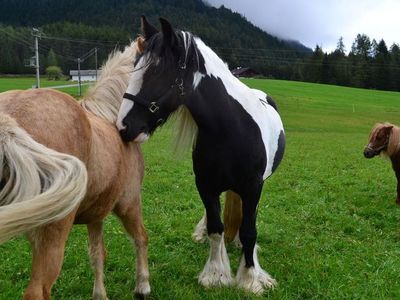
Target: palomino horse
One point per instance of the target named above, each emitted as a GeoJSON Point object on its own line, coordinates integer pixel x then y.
{"type": "Point", "coordinates": [385, 138]}
{"type": "Point", "coordinates": [63, 162]}
{"type": "Point", "coordinates": [239, 141]}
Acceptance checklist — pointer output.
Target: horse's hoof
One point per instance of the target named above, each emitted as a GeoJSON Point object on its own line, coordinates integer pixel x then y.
{"type": "Point", "coordinates": [141, 296]}
{"type": "Point", "coordinates": [398, 201]}
{"type": "Point", "coordinates": [255, 280]}
{"type": "Point", "coordinates": [142, 291]}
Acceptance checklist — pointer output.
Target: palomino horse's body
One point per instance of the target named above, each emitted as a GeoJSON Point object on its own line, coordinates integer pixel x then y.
{"type": "Point", "coordinates": [239, 141]}
{"type": "Point", "coordinates": [64, 163]}
{"type": "Point", "coordinates": [385, 138]}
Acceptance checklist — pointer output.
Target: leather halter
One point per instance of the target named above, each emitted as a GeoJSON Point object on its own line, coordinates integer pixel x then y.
{"type": "Point", "coordinates": [377, 150]}
{"type": "Point", "coordinates": [154, 106]}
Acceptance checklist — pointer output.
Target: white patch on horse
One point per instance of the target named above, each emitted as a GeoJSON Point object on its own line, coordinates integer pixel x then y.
{"type": "Point", "coordinates": [134, 87]}
{"type": "Point", "coordinates": [217, 271]}
{"type": "Point", "coordinates": [254, 279]}
{"type": "Point", "coordinates": [197, 77]}
{"type": "Point", "coordinates": [124, 109]}
{"type": "Point", "coordinates": [265, 116]}
{"type": "Point", "coordinates": [141, 138]}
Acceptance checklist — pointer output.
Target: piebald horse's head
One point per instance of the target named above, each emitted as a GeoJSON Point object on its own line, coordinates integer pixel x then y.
{"type": "Point", "coordinates": [378, 140]}
{"type": "Point", "coordinates": [156, 84]}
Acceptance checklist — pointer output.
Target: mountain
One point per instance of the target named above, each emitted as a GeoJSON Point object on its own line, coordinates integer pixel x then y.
{"type": "Point", "coordinates": [234, 38]}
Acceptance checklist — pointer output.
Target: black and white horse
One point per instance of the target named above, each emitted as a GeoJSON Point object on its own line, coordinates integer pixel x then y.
{"type": "Point", "coordinates": [239, 140]}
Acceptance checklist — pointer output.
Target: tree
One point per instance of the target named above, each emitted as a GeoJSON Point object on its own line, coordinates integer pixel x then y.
{"type": "Point", "coordinates": [360, 61]}
{"type": "Point", "coordinates": [340, 48]}
{"type": "Point", "coordinates": [51, 59]}
{"type": "Point", "coordinates": [312, 69]}
{"type": "Point", "coordinates": [381, 68]}
{"type": "Point", "coordinates": [395, 67]}
{"type": "Point", "coordinates": [53, 73]}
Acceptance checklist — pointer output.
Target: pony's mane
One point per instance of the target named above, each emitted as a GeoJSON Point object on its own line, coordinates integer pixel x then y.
{"type": "Point", "coordinates": [105, 97]}
{"type": "Point", "coordinates": [394, 141]}
{"type": "Point", "coordinates": [393, 146]}
{"type": "Point", "coordinates": [185, 127]}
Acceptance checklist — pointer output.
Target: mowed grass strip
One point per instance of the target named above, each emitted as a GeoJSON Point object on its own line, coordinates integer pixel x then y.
{"type": "Point", "coordinates": [328, 226]}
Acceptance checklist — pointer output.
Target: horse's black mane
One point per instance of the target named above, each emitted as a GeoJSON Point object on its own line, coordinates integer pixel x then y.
{"type": "Point", "coordinates": [189, 57]}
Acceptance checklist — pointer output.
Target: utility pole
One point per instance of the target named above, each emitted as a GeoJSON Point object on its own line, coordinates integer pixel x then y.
{"type": "Point", "coordinates": [79, 76]}
{"type": "Point", "coordinates": [36, 34]}
{"type": "Point", "coordinates": [95, 59]}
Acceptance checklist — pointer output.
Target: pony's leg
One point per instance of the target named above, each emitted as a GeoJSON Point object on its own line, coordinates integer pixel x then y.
{"type": "Point", "coordinates": [131, 217]}
{"type": "Point", "coordinates": [97, 253]}
{"type": "Point", "coordinates": [250, 276]}
{"type": "Point", "coordinates": [217, 270]}
{"type": "Point", "coordinates": [200, 232]}
{"type": "Point", "coordinates": [397, 172]}
{"type": "Point", "coordinates": [48, 244]}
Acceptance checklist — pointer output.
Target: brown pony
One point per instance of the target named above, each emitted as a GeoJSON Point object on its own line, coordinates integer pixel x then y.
{"type": "Point", "coordinates": [64, 163]}
{"type": "Point", "coordinates": [385, 138]}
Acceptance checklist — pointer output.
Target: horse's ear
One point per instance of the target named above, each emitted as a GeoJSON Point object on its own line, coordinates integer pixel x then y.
{"type": "Point", "coordinates": [169, 36]}
{"type": "Point", "coordinates": [388, 128]}
{"type": "Point", "coordinates": [140, 44]}
{"type": "Point", "coordinates": [148, 30]}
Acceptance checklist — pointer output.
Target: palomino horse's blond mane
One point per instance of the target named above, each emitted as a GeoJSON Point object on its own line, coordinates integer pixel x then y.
{"type": "Point", "coordinates": [393, 146]}
{"type": "Point", "coordinates": [105, 97]}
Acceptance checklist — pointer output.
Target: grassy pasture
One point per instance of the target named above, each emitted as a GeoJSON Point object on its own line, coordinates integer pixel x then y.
{"type": "Point", "coordinates": [23, 83]}
{"type": "Point", "coordinates": [327, 223]}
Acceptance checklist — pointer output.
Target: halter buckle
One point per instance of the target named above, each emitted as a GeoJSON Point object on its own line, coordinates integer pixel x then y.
{"type": "Point", "coordinates": [153, 107]}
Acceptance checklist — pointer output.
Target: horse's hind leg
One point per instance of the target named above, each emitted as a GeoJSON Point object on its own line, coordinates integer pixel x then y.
{"type": "Point", "coordinates": [48, 244]}
{"type": "Point", "coordinates": [131, 216]}
{"type": "Point", "coordinates": [200, 232]}
{"type": "Point", "coordinates": [250, 276]}
{"type": "Point", "coordinates": [97, 254]}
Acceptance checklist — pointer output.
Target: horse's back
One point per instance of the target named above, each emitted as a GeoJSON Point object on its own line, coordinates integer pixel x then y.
{"type": "Point", "coordinates": [52, 118]}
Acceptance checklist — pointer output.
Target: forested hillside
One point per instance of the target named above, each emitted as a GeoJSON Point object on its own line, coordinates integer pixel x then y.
{"type": "Point", "coordinates": [106, 24]}
{"type": "Point", "coordinates": [72, 28]}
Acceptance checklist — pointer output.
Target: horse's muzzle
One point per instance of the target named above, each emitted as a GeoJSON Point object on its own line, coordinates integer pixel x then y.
{"type": "Point", "coordinates": [369, 152]}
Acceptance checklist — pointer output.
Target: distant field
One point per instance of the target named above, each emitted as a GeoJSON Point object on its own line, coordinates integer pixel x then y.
{"type": "Point", "coordinates": [24, 83]}
{"type": "Point", "coordinates": [328, 226]}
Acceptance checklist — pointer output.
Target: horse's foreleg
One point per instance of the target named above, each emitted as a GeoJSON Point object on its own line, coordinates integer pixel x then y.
{"type": "Point", "coordinates": [48, 244]}
{"type": "Point", "coordinates": [131, 217]}
{"type": "Point", "coordinates": [217, 270]}
{"type": "Point", "coordinates": [97, 253]}
{"type": "Point", "coordinates": [250, 276]}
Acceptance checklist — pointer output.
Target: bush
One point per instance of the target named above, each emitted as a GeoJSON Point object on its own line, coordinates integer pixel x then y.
{"type": "Point", "coordinates": [54, 73]}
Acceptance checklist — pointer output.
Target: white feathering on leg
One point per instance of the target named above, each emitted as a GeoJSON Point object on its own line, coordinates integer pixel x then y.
{"type": "Point", "coordinates": [254, 279]}
{"type": "Point", "coordinates": [200, 232]}
{"type": "Point", "coordinates": [217, 271]}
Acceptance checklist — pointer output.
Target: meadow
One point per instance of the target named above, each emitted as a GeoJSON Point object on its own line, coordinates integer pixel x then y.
{"type": "Point", "coordinates": [23, 83]}
{"type": "Point", "coordinates": [327, 223]}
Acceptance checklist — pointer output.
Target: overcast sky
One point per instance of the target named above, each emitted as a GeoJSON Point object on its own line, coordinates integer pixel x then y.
{"type": "Point", "coordinates": [322, 22]}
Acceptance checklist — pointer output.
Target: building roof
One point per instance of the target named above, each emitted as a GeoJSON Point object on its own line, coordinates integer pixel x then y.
{"type": "Point", "coordinates": [84, 72]}
{"type": "Point", "coordinates": [241, 70]}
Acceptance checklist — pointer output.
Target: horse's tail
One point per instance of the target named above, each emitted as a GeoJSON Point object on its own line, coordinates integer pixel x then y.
{"type": "Point", "coordinates": [232, 215]}
{"type": "Point", "coordinates": [38, 185]}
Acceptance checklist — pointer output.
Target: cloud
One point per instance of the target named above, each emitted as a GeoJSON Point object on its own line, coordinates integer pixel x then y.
{"type": "Point", "coordinates": [321, 22]}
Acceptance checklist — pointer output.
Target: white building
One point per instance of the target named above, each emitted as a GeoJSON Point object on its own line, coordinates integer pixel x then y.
{"type": "Point", "coordinates": [86, 75]}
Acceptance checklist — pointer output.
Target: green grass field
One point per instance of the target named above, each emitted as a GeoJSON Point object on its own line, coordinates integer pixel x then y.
{"type": "Point", "coordinates": [23, 83]}
{"type": "Point", "coordinates": [328, 226]}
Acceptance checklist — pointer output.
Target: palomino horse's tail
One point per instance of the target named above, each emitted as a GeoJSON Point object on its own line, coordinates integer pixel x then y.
{"type": "Point", "coordinates": [232, 215]}
{"type": "Point", "coordinates": [38, 185]}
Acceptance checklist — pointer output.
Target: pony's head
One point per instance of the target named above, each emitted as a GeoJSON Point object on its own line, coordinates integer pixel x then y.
{"type": "Point", "coordinates": [157, 84]}
{"type": "Point", "coordinates": [379, 139]}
